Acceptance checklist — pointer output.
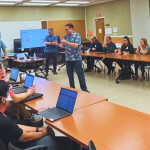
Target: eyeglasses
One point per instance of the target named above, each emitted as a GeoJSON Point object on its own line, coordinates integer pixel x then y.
{"type": "Point", "coordinates": [66, 29]}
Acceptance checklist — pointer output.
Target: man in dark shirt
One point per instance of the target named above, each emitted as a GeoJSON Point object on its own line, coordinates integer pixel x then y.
{"type": "Point", "coordinates": [109, 47]}
{"type": "Point", "coordinates": [94, 47]}
{"type": "Point", "coordinates": [24, 136]}
{"type": "Point", "coordinates": [51, 50]}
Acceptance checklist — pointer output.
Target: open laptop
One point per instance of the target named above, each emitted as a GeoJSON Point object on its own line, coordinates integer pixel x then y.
{"type": "Point", "coordinates": [27, 84]}
{"type": "Point", "coordinates": [64, 107]}
{"type": "Point", "coordinates": [13, 75]}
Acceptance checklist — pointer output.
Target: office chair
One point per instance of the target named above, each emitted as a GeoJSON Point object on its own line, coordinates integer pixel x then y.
{"type": "Point", "coordinates": [38, 147]}
{"type": "Point", "coordinates": [91, 146]}
{"type": "Point", "coordinates": [2, 146]}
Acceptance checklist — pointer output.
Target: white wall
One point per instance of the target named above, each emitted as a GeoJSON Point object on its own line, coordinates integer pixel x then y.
{"type": "Point", "coordinates": [140, 20]}
{"type": "Point", "coordinates": [11, 30]}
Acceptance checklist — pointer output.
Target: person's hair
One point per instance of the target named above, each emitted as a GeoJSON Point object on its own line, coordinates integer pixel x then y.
{"type": "Point", "coordinates": [4, 87]}
{"type": "Point", "coordinates": [1, 65]}
{"type": "Point", "coordinates": [70, 25]}
{"type": "Point", "coordinates": [108, 37]}
{"type": "Point", "coordinates": [145, 41]}
{"type": "Point", "coordinates": [93, 37]}
{"type": "Point", "coordinates": [51, 29]}
{"type": "Point", "coordinates": [127, 38]}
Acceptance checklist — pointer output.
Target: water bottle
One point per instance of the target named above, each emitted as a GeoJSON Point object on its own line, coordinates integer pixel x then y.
{"type": "Point", "coordinates": [33, 74]}
{"type": "Point", "coordinates": [34, 56]}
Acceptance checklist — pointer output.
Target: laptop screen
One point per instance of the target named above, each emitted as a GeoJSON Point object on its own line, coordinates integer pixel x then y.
{"type": "Point", "coordinates": [14, 74]}
{"type": "Point", "coordinates": [66, 99]}
{"type": "Point", "coordinates": [28, 81]}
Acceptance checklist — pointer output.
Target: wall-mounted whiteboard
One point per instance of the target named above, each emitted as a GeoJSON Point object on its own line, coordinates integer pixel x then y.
{"type": "Point", "coordinates": [11, 30]}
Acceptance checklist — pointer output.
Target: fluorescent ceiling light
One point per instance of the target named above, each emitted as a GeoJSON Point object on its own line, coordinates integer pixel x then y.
{"type": "Point", "coordinates": [7, 3]}
{"type": "Point", "coordinates": [67, 4]}
{"type": "Point", "coordinates": [11, 0]}
{"type": "Point", "coordinates": [36, 1]}
{"type": "Point", "coordinates": [35, 4]}
{"type": "Point", "coordinates": [77, 2]}
{"type": "Point", "coordinates": [44, 1]}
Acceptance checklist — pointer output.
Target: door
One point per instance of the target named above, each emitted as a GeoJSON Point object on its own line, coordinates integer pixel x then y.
{"type": "Point", "coordinates": [100, 30]}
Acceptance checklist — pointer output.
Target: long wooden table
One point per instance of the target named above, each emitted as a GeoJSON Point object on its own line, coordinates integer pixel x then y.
{"type": "Point", "coordinates": [129, 57]}
{"type": "Point", "coordinates": [51, 90]}
{"type": "Point", "coordinates": [110, 126]}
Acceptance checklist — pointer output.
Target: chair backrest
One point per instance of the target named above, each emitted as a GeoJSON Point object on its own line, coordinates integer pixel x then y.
{"type": "Point", "coordinates": [11, 147]}
{"type": "Point", "coordinates": [2, 146]}
{"type": "Point", "coordinates": [91, 146]}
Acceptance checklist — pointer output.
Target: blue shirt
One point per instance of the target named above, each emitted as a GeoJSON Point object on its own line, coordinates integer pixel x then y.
{"type": "Point", "coordinates": [50, 48]}
{"type": "Point", "coordinates": [96, 45]}
{"type": "Point", "coordinates": [73, 54]}
{"type": "Point", "coordinates": [3, 47]}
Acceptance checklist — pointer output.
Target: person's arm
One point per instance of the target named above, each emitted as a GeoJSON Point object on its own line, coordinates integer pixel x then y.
{"type": "Point", "coordinates": [30, 136]}
{"type": "Point", "coordinates": [30, 129]}
{"type": "Point", "coordinates": [144, 52]}
{"type": "Point", "coordinates": [19, 97]}
{"type": "Point", "coordinates": [137, 50]}
{"type": "Point", "coordinates": [75, 45]}
{"type": "Point", "coordinates": [131, 49]}
{"type": "Point", "coordinates": [4, 50]}
{"type": "Point", "coordinates": [99, 47]}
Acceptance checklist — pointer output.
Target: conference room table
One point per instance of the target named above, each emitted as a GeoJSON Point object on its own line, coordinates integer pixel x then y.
{"type": "Point", "coordinates": [109, 126]}
{"type": "Point", "coordinates": [127, 57]}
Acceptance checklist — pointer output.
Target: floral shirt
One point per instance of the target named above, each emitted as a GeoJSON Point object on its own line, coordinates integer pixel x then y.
{"type": "Point", "coordinates": [73, 54]}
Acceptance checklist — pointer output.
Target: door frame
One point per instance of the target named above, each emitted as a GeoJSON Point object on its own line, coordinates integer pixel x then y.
{"type": "Point", "coordinates": [94, 24]}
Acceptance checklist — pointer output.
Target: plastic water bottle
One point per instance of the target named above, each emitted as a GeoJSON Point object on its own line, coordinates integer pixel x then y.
{"type": "Point", "coordinates": [17, 57]}
{"type": "Point", "coordinates": [33, 74]}
{"type": "Point", "coordinates": [34, 56]}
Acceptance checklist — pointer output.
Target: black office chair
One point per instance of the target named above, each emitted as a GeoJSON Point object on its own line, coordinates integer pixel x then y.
{"type": "Point", "coordinates": [38, 147]}
{"type": "Point", "coordinates": [91, 146]}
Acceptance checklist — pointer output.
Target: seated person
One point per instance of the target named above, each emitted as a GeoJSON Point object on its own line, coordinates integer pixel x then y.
{"type": "Point", "coordinates": [16, 110]}
{"type": "Point", "coordinates": [94, 47]}
{"type": "Point", "coordinates": [127, 46]}
{"type": "Point", "coordinates": [24, 136]}
{"type": "Point", "coordinates": [110, 47]}
{"type": "Point", "coordinates": [143, 49]}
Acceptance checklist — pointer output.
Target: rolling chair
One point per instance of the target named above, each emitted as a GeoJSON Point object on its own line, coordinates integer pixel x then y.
{"type": "Point", "coordinates": [38, 147]}
{"type": "Point", "coordinates": [91, 146]}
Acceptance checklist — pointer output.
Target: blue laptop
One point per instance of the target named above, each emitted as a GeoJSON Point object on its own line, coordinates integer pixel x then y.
{"type": "Point", "coordinates": [64, 107]}
{"type": "Point", "coordinates": [27, 84]}
{"type": "Point", "coordinates": [13, 75]}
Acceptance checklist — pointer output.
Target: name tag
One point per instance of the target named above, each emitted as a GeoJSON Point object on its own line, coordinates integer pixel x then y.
{"type": "Point", "coordinates": [95, 45]}
{"type": "Point", "coordinates": [127, 48]}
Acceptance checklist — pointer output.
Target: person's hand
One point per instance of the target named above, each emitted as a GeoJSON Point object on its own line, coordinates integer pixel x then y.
{"type": "Point", "coordinates": [55, 42]}
{"type": "Point", "coordinates": [63, 41]}
{"type": "Point", "coordinates": [31, 91]}
{"type": "Point", "coordinates": [139, 46]}
{"type": "Point", "coordinates": [93, 49]}
{"type": "Point", "coordinates": [104, 45]}
{"type": "Point", "coordinates": [6, 57]}
{"type": "Point", "coordinates": [48, 131]}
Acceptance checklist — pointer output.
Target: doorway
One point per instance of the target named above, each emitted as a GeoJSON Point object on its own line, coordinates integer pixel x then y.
{"type": "Point", "coordinates": [100, 29]}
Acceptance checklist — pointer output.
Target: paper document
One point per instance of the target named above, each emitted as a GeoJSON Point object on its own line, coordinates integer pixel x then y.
{"type": "Point", "coordinates": [115, 29]}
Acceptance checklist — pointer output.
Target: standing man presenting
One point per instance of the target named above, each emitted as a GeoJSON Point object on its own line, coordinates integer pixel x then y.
{"type": "Point", "coordinates": [51, 50]}
{"type": "Point", "coordinates": [72, 44]}
{"type": "Point", "coordinates": [3, 47]}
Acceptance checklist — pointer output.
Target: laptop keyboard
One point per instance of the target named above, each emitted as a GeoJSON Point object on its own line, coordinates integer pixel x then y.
{"type": "Point", "coordinates": [57, 111]}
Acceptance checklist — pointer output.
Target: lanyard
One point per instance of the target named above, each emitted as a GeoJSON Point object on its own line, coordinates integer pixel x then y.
{"type": "Point", "coordinates": [3, 110]}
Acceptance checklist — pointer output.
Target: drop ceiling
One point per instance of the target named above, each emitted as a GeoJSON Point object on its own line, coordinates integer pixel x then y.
{"type": "Point", "coordinates": [47, 3]}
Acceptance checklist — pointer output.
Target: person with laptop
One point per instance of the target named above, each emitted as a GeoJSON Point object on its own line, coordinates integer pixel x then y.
{"type": "Point", "coordinates": [25, 136]}
{"type": "Point", "coordinates": [110, 47]}
{"type": "Point", "coordinates": [3, 47]}
{"type": "Point", "coordinates": [95, 46]}
{"type": "Point", "coordinates": [51, 50]}
{"type": "Point", "coordinates": [72, 44]}
{"type": "Point", "coordinates": [16, 110]}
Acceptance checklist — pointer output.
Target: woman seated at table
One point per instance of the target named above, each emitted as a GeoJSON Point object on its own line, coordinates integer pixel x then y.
{"type": "Point", "coordinates": [143, 49]}
{"type": "Point", "coordinates": [16, 110]}
{"type": "Point", "coordinates": [127, 47]}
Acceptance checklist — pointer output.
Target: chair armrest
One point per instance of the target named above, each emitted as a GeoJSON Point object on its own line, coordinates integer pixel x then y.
{"type": "Point", "coordinates": [38, 147]}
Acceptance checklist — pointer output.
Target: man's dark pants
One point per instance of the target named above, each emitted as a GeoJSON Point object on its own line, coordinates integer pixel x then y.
{"type": "Point", "coordinates": [77, 66]}
{"type": "Point", "coordinates": [54, 58]}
